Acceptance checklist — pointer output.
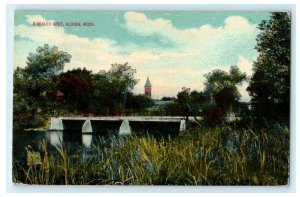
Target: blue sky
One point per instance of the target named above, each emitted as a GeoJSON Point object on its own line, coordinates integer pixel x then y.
{"type": "Point", "coordinates": [175, 49]}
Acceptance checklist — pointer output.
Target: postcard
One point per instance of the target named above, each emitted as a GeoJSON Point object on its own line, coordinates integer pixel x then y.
{"type": "Point", "coordinates": [151, 97]}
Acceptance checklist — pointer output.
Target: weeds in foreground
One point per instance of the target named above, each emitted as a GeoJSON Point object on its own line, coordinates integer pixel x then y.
{"type": "Point", "coordinates": [204, 156]}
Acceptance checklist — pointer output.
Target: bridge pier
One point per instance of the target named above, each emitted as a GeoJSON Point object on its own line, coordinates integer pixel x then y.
{"type": "Point", "coordinates": [87, 127]}
{"type": "Point", "coordinates": [56, 124]}
{"type": "Point", "coordinates": [182, 126]}
{"type": "Point", "coordinates": [103, 124]}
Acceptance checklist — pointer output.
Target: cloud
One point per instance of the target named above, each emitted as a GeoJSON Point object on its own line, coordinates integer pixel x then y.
{"type": "Point", "coordinates": [202, 49]}
{"type": "Point", "coordinates": [196, 51]}
{"type": "Point", "coordinates": [36, 18]}
{"type": "Point", "coordinates": [238, 24]}
{"type": "Point", "coordinates": [245, 66]}
{"type": "Point", "coordinates": [84, 51]}
{"type": "Point", "coordinates": [139, 24]}
{"type": "Point", "coordinates": [211, 46]}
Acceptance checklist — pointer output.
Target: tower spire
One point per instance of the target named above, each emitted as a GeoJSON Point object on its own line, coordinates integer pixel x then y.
{"type": "Point", "coordinates": [148, 87]}
{"type": "Point", "coordinates": [148, 84]}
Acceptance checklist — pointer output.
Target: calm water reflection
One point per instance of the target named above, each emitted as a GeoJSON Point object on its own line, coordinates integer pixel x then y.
{"type": "Point", "coordinates": [55, 138]}
{"type": "Point", "coordinates": [74, 142]}
{"type": "Point", "coordinates": [81, 143]}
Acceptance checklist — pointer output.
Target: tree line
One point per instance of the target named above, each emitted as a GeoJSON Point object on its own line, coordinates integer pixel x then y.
{"type": "Point", "coordinates": [36, 86]}
{"type": "Point", "coordinates": [269, 86]}
{"type": "Point", "coordinates": [81, 92]}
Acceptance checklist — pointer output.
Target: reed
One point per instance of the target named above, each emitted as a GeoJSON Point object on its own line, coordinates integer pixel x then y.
{"type": "Point", "coordinates": [224, 155]}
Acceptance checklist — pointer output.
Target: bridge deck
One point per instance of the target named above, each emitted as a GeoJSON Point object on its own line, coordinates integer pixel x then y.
{"type": "Point", "coordinates": [77, 123]}
{"type": "Point", "coordinates": [130, 118]}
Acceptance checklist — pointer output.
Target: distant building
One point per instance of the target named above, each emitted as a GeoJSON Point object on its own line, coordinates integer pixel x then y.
{"type": "Point", "coordinates": [160, 104]}
{"type": "Point", "coordinates": [148, 88]}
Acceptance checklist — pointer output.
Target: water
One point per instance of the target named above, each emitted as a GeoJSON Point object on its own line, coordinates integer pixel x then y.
{"type": "Point", "coordinates": [82, 141]}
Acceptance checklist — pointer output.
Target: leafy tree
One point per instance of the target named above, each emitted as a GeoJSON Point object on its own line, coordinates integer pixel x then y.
{"type": "Point", "coordinates": [138, 103]}
{"type": "Point", "coordinates": [219, 82]}
{"type": "Point", "coordinates": [270, 83]}
{"type": "Point", "coordinates": [226, 96]}
{"type": "Point", "coordinates": [102, 101]}
{"type": "Point", "coordinates": [35, 86]}
{"type": "Point", "coordinates": [187, 102]}
{"type": "Point", "coordinates": [46, 62]}
{"type": "Point", "coordinates": [221, 92]}
{"type": "Point", "coordinates": [166, 98]}
{"type": "Point", "coordinates": [76, 85]}
{"type": "Point", "coordinates": [197, 99]}
{"type": "Point", "coordinates": [182, 100]}
{"type": "Point", "coordinates": [121, 77]}
{"type": "Point", "coordinates": [111, 89]}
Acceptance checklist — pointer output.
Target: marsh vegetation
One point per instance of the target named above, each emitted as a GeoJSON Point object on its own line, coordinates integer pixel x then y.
{"type": "Point", "coordinates": [223, 155]}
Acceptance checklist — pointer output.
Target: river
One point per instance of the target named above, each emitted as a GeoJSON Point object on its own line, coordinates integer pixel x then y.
{"type": "Point", "coordinates": [76, 142]}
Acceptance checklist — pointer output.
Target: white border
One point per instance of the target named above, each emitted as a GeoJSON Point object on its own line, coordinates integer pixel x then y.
{"type": "Point", "coordinates": [195, 7]}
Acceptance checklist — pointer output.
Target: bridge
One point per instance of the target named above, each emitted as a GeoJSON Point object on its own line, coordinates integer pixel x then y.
{"type": "Point", "coordinates": [165, 124]}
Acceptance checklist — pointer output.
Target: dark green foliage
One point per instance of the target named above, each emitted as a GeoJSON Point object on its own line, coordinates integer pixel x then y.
{"type": "Point", "coordinates": [212, 115]}
{"type": "Point", "coordinates": [182, 100]}
{"type": "Point", "coordinates": [226, 97]}
{"type": "Point", "coordinates": [77, 87]}
{"type": "Point", "coordinates": [104, 93]}
{"type": "Point", "coordinates": [165, 98]}
{"type": "Point", "coordinates": [112, 89]}
{"type": "Point", "coordinates": [84, 93]}
{"type": "Point", "coordinates": [198, 98]}
{"type": "Point", "coordinates": [103, 101]}
{"type": "Point", "coordinates": [172, 109]}
{"type": "Point", "coordinates": [34, 87]}
{"type": "Point", "coordinates": [137, 104]}
{"type": "Point", "coordinates": [270, 83]}
{"type": "Point", "coordinates": [221, 93]}
{"type": "Point", "coordinates": [219, 82]}
{"type": "Point", "coordinates": [185, 103]}
{"type": "Point", "coordinates": [46, 61]}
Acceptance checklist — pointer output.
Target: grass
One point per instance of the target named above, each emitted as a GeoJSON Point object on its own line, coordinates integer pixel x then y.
{"type": "Point", "coordinates": [201, 156]}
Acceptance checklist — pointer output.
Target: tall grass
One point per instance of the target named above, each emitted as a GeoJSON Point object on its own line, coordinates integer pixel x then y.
{"type": "Point", "coordinates": [203, 156]}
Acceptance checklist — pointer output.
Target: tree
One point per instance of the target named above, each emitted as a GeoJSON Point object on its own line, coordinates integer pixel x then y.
{"type": "Point", "coordinates": [138, 103]}
{"type": "Point", "coordinates": [219, 83]}
{"type": "Point", "coordinates": [102, 101]}
{"type": "Point", "coordinates": [182, 100]}
{"type": "Point", "coordinates": [76, 85]}
{"type": "Point", "coordinates": [121, 77]}
{"type": "Point", "coordinates": [47, 61]}
{"type": "Point", "coordinates": [221, 92]}
{"type": "Point", "coordinates": [270, 83]}
{"type": "Point", "coordinates": [167, 98]}
{"type": "Point", "coordinates": [35, 86]}
{"type": "Point", "coordinates": [111, 89]}
{"type": "Point", "coordinates": [197, 99]}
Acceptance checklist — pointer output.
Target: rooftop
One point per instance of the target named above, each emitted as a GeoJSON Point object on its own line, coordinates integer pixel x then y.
{"type": "Point", "coordinates": [148, 84]}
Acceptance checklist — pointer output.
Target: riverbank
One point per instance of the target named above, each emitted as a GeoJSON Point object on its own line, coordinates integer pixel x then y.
{"type": "Point", "coordinates": [224, 155]}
